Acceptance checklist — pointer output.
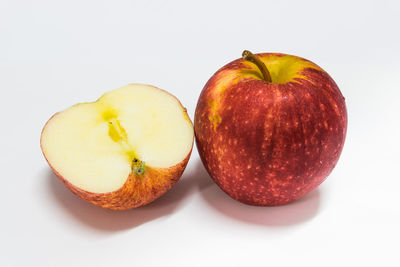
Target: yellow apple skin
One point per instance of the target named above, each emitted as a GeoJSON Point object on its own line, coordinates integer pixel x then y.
{"type": "Point", "coordinates": [138, 190]}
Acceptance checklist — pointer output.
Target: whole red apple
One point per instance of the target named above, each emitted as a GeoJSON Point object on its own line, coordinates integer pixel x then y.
{"type": "Point", "coordinates": [270, 127]}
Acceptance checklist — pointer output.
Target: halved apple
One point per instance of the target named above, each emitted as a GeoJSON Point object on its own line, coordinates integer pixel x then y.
{"type": "Point", "coordinates": [122, 151]}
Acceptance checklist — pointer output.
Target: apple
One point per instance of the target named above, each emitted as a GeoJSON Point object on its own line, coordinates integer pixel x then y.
{"type": "Point", "coordinates": [122, 151]}
{"type": "Point", "coordinates": [270, 127]}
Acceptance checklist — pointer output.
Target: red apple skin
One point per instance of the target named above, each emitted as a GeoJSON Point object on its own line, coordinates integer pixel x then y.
{"type": "Point", "coordinates": [268, 144]}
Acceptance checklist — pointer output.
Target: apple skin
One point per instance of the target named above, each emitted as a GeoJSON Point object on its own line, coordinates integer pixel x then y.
{"type": "Point", "coordinates": [136, 191]}
{"type": "Point", "coordinates": [268, 144]}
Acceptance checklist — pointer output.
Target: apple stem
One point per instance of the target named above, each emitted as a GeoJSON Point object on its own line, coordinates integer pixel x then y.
{"type": "Point", "coordinates": [247, 55]}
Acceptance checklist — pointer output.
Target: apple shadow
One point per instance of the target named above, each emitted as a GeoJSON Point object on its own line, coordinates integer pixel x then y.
{"type": "Point", "coordinates": [195, 179]}
{"type": "Point", "coordinates": [111, 221]}
{"type": "Point", "coordinates": [300, 211]}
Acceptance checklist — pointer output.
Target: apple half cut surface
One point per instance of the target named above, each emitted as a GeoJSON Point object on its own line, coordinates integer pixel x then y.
{"type": "Point", "coordinates": [122, 151]}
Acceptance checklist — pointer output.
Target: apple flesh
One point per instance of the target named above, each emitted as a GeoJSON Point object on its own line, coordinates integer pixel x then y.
{"type": "Point", "coordinates": [122, 151]}
{"type": "Point", "coordinates": [270, 138]}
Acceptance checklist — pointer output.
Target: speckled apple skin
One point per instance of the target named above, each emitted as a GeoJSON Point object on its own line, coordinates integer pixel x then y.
{"type": "Point", "coordinates": [137, 191]}
{"type": "Point", "coordinates": [271, 143]}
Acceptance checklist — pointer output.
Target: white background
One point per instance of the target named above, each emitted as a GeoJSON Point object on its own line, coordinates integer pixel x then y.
{"type": "Point", "coordinates": [57, 53]}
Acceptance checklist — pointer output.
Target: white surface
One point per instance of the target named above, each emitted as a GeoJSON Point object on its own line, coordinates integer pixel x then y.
{"type": "Point", "coordinates": [57, 53]}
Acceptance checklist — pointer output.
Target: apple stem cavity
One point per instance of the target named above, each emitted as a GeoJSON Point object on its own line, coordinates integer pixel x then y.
{"type": "Point", "coordinates": [247, 55]}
